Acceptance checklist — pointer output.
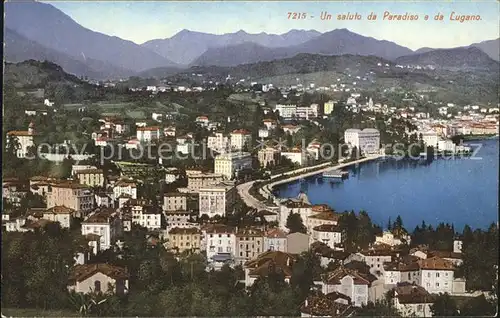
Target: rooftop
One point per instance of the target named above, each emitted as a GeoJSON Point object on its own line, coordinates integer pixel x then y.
{"type": "Point", "coordinates": [81, 272]}
{"type": "Point", "coordinates": [269, 261]}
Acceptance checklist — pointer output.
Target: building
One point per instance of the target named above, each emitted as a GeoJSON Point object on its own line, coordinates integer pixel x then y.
{"type": "Point", "coordinates": [175, 201]}
{"type": "Point", "coordinates": [321, 216]}
{"type": "Point", "coordinates": [74, 196]}
{"type": "Point", "coordinates": [412, 300]}
{"type": "Point", "coordinates": [328, 107]}
{"type": "Point", "coordinates": [89, 278]}
{"type": "Point", "coordinates": [263, 133]}
{"type": "Point", "coordinates": [457, 245]}
{"type": "Point", "coordinates": [291, 129]}
{"type": "Point", "coordinates": [60, 214]}
{"type": "Point", "coordinates": [24, 139]}
{"type": "Point", "coordinates": [296, 243]}
{"type": "Point", "coordinates": [374, 258]}
{"type": "Point", "coordinates": [202, 121]}
{"type": "Point", "coordinates": [296, 155]}
{"type": "Point", "coordinates": [125, 187]}
{"type": "Point", "coordinates": [148, 134]}
{"type": "Point", "coordinates": [349, 282]}
{"type": "Point", "coordinates": [91, 177]}
{"type": "Point", "coordinates": [217, 200]}
{"type": "Point", "coordinates": [181, 219]}
{"type": "Point", "coordinates": [144, 213]}
{"type": "Point", "coordinates": [184, 239]}
{"type": "Point", "coordinates": [219, 240]}
{"type": "Point", "coordinates": [202, 180]}
{"type": "Point", "coordinates": [430, 138]}
{"type": "Point", "coordinates": [103, 200]}
{"type": "Point", "coordinates": [367, 141]}
{"type": "Point", "coordinates": [249, 244]}
{"type": "Point", "coordinates": [269, 123]}
{"type": "Point", "coordinates": [434, 274]}
{"type": "Point", "coordinates": [218, 142]}
{"type": "Point", "coordinates": [289, 206]}
{"type": "Point", "coordinates": [105, 223]}
{"type": "Point", "coordinates": [241, 139]}
{"type": "Point", "coordinates": [262, 265]}
{"type": "Point", "coordinates": [287, 111]}
{"type": "Point", "coordinates": [230, 164]}
{"type": "Point", "coordinates": [307, 112]}
{"type": "Point", "coordinates": [275, 240]}
{"type": "Point", "coordinates": [269, 156]}
{"type": "Point", "coordinates": [329, 234]}
{"type": "Point", "coordinates": [331, 305]}
{"type": "Point", "coordinates": [390, 239]}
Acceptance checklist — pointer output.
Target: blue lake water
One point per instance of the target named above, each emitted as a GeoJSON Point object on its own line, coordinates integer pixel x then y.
{"type": "Point", "coordinates": [459, 191]}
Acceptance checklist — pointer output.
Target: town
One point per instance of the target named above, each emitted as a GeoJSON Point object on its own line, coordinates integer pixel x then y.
{"type": "Point", "coordinates": [217, 209]}
{"type": "Point", "coordinates": [138, 184]}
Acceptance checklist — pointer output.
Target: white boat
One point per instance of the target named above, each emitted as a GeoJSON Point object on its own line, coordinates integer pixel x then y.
{"type": "Point", "coordinates": [337, 174]}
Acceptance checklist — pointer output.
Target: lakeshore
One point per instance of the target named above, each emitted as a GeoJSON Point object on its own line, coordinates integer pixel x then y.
{"type": "Point", "coordinates": [457, 191]}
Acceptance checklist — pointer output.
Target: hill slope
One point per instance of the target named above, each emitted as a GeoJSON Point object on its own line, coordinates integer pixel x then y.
{"type": "Point", "coordinates": [336, 42]}
{"type": "Point", "coordinates": [185, 46]}
{"type": "Point", "coordinates": [55, 30]}
{"type": "Point", "coordinates": [18, 48]}
{"type": "Point", "coordinates": [463, 58]}
{"type": "Point", "coordinates": [491, 47]}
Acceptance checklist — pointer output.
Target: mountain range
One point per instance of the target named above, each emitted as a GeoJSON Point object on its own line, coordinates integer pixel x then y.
{"type": "Point", "coordinates": [35, 30]}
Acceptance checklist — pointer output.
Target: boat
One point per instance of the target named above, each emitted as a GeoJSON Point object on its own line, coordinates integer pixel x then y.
{"type": "Point", "coordinates": [336, 174]}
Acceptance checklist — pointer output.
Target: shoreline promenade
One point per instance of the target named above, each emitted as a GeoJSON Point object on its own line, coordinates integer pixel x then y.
{"type": "Point", "coordinates": [266, 190]}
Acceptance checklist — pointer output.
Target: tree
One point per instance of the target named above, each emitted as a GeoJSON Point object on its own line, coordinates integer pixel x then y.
{"type": "Point", "coordinates": [294, 223]}
{"type": "Point", "coordinates": [444, 305]}
{"type": "Point", "coordinates": [478, 306]}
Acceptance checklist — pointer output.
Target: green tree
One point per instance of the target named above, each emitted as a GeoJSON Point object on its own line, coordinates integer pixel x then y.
{"type": "Point", "coordinates": [444, 305]}
{"type": "Point", "coordinates": [295, 224]}
{"type": "Point", "coordinates": [377, 309]}
{"type": "Point", "coordinates": [478, 306]}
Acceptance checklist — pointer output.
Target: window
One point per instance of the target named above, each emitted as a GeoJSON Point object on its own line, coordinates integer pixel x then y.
{"type": "Point", "coordinates": [97, 286]}
{"type": "Point", "coordinates": [428, 274]}
{"type": "Point", "coordinates": [446, 274]}
{"type": "Point", "coordinates": [228, 249]}
{"type": "Point", "coordinates": [437, 274]}
{"type": "Point", "coordinates": [437, 284]}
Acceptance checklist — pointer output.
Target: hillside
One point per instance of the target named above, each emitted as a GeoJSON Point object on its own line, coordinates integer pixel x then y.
{"type": "Point", "coordinates": [18, 48]}
{"type": "Point", "coordinates": [459, 58]}
{"type": "Point", "coordinates": [336, 42]}
{"type": "Point", "coordinates": [35, 74]}
{"type": "Point", "coordinates": [55, 30]}
{"type": "Point", "coordinates": [185, 46]}
{"type": "Point", "coordinates": [491, 47]}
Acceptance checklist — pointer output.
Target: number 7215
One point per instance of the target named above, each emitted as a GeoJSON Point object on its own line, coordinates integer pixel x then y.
{"type": "Point", "coordinates": [296, 15]}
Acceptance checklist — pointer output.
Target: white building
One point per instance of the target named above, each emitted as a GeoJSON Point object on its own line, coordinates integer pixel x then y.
{"type": "Point", "coordinates": [218, 142]}
{"type": "Point", "coordinates": [241, 139]}
{"type": "Point", "coordinates": [146, 134]}
{"type": "Point", "coordinates": [288, 207]}
{"type": "Point", "coordinates": [144, 214]}
{"type": "Point", "coordinates": [430, 138]}
{"type": "Point", "coordinates": [366, 140]}
{"type": "Point", "coordinates": [412, 301]}
{"type": "Point", "coordinates": [307, 112]}
{"type": "Point", "coordinates": [24, 140]}
{"type": "Point", "coordinates": [287, 111]}
{"type": "Point", "coordinates": [125, 187]}
{"type": "Point", "coordinates": [275, 240]}
{"type": "Point", "coordinates": [216, 200]}
{"type": "Point", "coordinates": [229, 164]}
{"type": "Point", "coordinates": [269, 123]}
{"type": "Point", "coordinates": [202, 121]}
{"type": "Point", "coordinates": [218, 239]}
{"type": "Point", "coordinates": [348, 282]}
{"type": "Point", "coordinates": [390, 239]}
{"type": "Point", "coordinates": [331, 235]}
{"type": "Point", "coordinates": [263, 133]}
{"type": "Point", "coordinates": [434, 274]}
{"type": "Point", "coordinates": [104, 223]}
{"type": "Point", "coordinates": [296, 155]}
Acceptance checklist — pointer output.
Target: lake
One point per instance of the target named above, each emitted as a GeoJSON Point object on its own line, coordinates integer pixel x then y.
{"type": "Point", "coordinates": [459, 191]}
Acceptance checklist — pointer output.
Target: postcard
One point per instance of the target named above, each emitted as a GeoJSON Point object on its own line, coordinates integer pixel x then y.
{"type": "Point", "coordinates": [250, 158]}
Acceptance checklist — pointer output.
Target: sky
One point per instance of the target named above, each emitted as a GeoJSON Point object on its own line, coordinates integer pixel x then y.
{"type": "Point", "coordinates": [143, 21]}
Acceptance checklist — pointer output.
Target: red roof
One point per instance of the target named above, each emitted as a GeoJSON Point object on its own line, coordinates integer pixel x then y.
{"type": "Point", "coordinates": [241, 132]}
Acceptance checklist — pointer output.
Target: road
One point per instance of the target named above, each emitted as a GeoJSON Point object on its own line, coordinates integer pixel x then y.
{"type": "Point", "coordinates": [243, 189]}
